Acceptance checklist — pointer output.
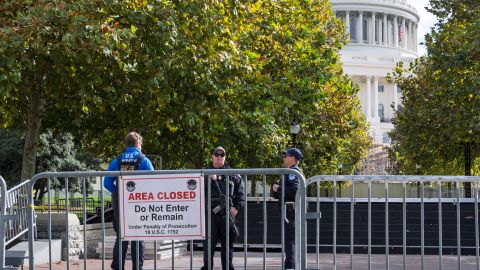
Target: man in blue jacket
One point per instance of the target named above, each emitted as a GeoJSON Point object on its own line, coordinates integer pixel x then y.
{"type": "Point", "coordinates": [132, 159]}
{"type": "Point", "coordinates": [291, 158]}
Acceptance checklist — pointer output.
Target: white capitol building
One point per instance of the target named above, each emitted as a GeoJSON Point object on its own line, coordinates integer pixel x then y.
{"type": "Point", "coordinates": [382, 33]}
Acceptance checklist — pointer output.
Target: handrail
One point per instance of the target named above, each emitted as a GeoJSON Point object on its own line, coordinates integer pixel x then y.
{"type": "Point", "coordinates": [3, 187]}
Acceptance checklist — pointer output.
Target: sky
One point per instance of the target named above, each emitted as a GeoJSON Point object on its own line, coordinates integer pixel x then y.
{"type": "Point", "coordinates": [427, 20]}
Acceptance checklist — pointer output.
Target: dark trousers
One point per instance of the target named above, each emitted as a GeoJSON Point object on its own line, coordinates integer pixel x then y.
{"type": "Point", "coordinates": [289, 234]}
{"type": "Point", "coordinates": [218, 233]}
{"type": "Point", "coordinates": [137, 247]}
{"type": "Point", "coordinates": [135, 250]}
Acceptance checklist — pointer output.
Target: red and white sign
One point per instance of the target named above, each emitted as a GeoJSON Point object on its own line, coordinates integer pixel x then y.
{"type": "Point", "coordinates": [154, 207]}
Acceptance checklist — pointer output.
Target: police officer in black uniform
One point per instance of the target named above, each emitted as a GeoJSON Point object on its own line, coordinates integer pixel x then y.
{"type": "Point", "coordinates": [291, 158]}
{"type": "Point", "coordinates": [220, 215]}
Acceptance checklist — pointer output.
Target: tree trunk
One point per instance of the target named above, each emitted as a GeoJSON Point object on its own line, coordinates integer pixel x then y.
{"type": "Point", "coordinates": [35, 113]}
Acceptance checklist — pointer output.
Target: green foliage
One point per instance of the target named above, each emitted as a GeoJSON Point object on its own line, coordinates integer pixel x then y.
{"type": "Point", "coordinates": [57, 152]}
{"type": "Point", "coordinates": [270, 63]}
{"type": "Point", "coordinates": [441, 95]}
{"type": "Point", "coordinates": [11, 148]}
{"type": "Point", "coordinates": [188, 75]}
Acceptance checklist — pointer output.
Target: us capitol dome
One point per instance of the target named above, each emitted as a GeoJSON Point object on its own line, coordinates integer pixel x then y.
{"type": "Point", "coordinates": [382, 33]}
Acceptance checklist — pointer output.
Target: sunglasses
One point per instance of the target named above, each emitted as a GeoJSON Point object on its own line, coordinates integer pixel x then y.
{"type": "Point", "coordinates": [219, 154]}
{"type": "Point", "coordinates": [285, 156]}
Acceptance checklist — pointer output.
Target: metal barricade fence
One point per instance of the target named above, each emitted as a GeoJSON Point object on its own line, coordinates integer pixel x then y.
{"type": "Point", "coordinates": [3, 190]}
{"type": "Point", "coordinates": [361, 200]}
{"type": "Point", "coordinates": [378, 217]}
{"type": "Point", "coordinates": [17, 212]}
{"type": "Point", "coordinates": [300, 209]}
{"type": "Point", "coordinates": [14, 215]}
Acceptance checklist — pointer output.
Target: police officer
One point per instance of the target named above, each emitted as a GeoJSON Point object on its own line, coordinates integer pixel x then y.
{"type": "Point", "coordinates": [291, 158]}
{"type": "Point", "coordinates": [220, 215]}
{"type": "Point", "coordinates": [131, 159]}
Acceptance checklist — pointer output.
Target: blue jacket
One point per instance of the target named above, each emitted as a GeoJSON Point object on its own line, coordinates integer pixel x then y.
{"type": "Point", "coordinates": [130, 155]}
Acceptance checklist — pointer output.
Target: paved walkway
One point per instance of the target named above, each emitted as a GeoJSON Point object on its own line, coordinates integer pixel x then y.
{"type": "Point", "coordinates": [273, 262]}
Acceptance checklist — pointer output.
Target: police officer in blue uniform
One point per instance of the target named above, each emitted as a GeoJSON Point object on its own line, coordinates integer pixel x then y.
{"type": "Point", "coordinates": [291, 158]}
{"type": "Point", "coordinates": [220, 215]}
{"type": "Point", "coordinates": [132, 159]}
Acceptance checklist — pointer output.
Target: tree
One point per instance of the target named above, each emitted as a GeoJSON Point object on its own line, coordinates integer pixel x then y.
{"type": "Point", "coordinates": [57, 152]}
{"type": "Point", "coordinates": [187, 75]}
{"type": "Point", "coordinates": [56, 58]}
{"type": "Point", "coordinates": [278, 62]}
{"type": "Point", "coordinates": [440, 96]}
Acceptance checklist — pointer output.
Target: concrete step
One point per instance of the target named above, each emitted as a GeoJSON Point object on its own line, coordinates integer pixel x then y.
{"type": "Point", "coordinates": [41, 251]}
{"type": "Point", "coordinates": [110, 240]}
{"type": "Point", "coordinates": [164, 248]}
{"type": "Point", "coordinates": [162, 252]}
{"type": "Point", "coordinates": [148, 247]}
{"type": "Point", "coordinates": [95, 233]}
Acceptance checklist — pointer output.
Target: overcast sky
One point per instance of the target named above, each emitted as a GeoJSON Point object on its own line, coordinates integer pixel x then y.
{"type": "Point", "coordinates": [427, 20]}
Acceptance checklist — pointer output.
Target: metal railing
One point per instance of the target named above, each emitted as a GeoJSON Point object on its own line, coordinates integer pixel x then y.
{"type": "Point", "coordinates": [14, 216]}
{"type": "Point", "coordinates": [17, 208]}
{"type": "Point", "coordinates": [3, 190]}
{"type": "Point", "coordinates": [76, 206]}
{"type": "Point", "coordinates": [373, 216]}
{"type": "Point", "coordinates": [300, 236]}
{"type": "Point", "coordinates": [374, 221]}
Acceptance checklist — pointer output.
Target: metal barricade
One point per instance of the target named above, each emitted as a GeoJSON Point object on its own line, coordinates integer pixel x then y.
{"type": "Point", "coordinates": [383, 222]}
{"type": "Point", "coordinates": [14, 216]}
{"type": "Point", "coordinates": [3, 190]}
{"type": "Point", "coordinates": [389, 221]}
{"type": "Point", "coordinates": [300, 207]}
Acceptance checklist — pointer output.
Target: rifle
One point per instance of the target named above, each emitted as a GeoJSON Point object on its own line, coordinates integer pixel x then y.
{"type": "Point", "coordinates": [222, 208]}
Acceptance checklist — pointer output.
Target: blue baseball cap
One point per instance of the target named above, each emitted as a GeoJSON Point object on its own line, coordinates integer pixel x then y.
{"type": "Point", "coordinates": [294, 152]}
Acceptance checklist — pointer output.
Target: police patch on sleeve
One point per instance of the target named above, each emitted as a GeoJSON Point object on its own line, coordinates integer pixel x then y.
{"type": "Point", "coordinates": [291, 176]}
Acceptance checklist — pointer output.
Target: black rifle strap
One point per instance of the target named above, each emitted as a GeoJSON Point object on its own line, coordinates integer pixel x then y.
{"type": "Point", "coordinates": [221, 193]}
{"type": "Point", "coordinates": [218, 186]}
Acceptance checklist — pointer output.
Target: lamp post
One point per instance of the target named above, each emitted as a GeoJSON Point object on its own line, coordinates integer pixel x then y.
{"type": "Point", "coordinates": [340, 183]}
{"type": "Point", "coordinates": [468, 161]}
{"type": "Point", "coordinates": [417, 172]}
{"type": "Point", "coordinates": [294, 130]}
{"type": "Point", "coordinates": [417, 169]}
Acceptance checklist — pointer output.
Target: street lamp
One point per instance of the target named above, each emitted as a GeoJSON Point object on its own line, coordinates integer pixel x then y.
{"type": "Point", "coordinates": [417, 167]}
{"type": "Point", "coordinates": [468, 170]}
{"type": "Point", "coordinates": [294, 130]}
{"type": "Point", "coordinates": [417, 172]}
{"type": "Point", "coordinates": [340, 167]}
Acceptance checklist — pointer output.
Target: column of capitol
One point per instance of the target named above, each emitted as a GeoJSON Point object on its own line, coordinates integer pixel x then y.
{"type": "Point", "coordinates": [382, 33]}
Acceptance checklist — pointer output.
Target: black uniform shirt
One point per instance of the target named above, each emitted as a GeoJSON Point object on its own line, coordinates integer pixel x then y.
{"type": "Point", "coordinates": [236, 192]}
{"type": "Point", "coordinates": [291, 186]}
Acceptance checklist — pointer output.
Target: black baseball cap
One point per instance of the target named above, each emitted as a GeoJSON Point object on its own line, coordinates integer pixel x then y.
{"type": "Point", "coordinates": [294, 152]}
{"type": "Point", "coordinates": [219, 149]}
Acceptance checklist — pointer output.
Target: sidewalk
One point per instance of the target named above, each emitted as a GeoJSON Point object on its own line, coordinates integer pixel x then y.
{"type": "Point", "coordinates": [273, 262]}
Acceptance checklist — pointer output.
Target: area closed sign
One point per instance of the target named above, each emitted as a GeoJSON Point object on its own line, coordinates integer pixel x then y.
{"type": "Point", "coordinates": [154, 207]}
